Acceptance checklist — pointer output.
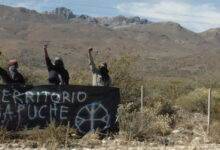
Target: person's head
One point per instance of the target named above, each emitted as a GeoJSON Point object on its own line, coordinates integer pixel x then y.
{"type": "Point", "coordinates": [103, 68]}
{"type": "Point", "coordinates": [13, 63]}
{"type": "Point", "coordinates": [103, 65]}
{"type": "Point", "coordinates": [104, 71]}
{"type": "Point", "coordinates": [59, 62]}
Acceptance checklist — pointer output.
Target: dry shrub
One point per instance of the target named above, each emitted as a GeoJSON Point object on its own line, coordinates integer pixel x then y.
{"type": "Point", "coordinates": [122, 73]}
{"type": "Point", "coordinates": [146, 124]}
{"type": "Point", "coordinates": [51, 137]}
{"type": "Point", "coordinates": [33, 76]}
{"type": "Point", "coordinates": [91, 139]}
{"type": "Point", "coordinates": [215, 131]}
{"type": "Point", "coordinates": [5, 135]}
{"type": "Point", "coordinates": [81, 78]}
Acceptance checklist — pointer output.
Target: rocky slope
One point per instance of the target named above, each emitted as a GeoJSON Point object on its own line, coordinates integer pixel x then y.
{"type": "Point", "coordinates": [164, 48]}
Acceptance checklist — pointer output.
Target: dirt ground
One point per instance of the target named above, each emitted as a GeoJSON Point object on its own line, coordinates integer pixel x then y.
{"type": "Point", "coordinates": [187, 135]}
{"type": "Point", "coordinates": [115, 145]}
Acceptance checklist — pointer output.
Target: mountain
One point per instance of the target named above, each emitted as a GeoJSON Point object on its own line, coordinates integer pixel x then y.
{"type": "Point", "coordinates": [166, 35]}
{"type": "Point", "coordinates": [163, 49]}
{"type": "Point", "coordinates": [63, 12]}
{"type": "Point", "coordinates": [23, 32]}
{"type": "Point", "coordinates": [212, 36]}
{"type": "Point", "coordinates": [115, 22]}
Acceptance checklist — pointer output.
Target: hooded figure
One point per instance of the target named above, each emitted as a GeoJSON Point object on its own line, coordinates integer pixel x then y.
{"type": "Point", "coordinates": [58, 75]}
{"type": "Point", "coordinates": [12, 76]}
{"type": "Point", "coordinates": [100, 75]}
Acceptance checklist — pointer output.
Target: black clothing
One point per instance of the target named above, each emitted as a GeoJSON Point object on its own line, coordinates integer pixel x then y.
{"type": "Point", "coordinates": [57, 74]}
{"type": "Point", "coordinates": [7, 79]}
{"type": "Point", "coordinates": [104, 73]}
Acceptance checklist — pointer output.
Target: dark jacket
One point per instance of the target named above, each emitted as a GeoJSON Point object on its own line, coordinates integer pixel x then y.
{"type": "Point", "coordinates": [57, 75]}
{"type": "Point", "coordinates": [18, 78]}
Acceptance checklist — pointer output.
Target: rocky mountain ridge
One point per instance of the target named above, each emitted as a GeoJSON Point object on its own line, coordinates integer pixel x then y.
{"type": "Point", "coordinates": [114, 22]}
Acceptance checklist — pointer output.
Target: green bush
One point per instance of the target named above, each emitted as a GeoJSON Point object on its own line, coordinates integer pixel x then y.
{"type": "Point", "coordinates": [145, 124]}
{"type": "Point", "coordinates": [197, 100]}
{"type": "Point", "coordinates": [166, 89]}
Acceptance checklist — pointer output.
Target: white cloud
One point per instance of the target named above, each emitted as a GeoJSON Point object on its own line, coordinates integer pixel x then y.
{"type": "Point", "coordinates": [39, 5]}
{"type": "Point", "coordinates": [195, 17]}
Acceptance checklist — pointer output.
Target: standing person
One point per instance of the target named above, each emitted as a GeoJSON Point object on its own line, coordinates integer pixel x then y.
{"type": "Point", "coordinates": [58, 75]}
{"type": "Point", "coordinates": [100, 74]}
{"type": "Point", "coordinates": [12, 76]}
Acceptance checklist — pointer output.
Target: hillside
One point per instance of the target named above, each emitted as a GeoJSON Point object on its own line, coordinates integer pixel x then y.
{"type": "Point", "coordinates": [158, 45]}
{"type": "Point", "coordinates": [212, 36]}
{"type": "Point", "coordinates": [175, 66]}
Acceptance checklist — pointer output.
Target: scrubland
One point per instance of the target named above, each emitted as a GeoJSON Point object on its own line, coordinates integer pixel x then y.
{"type": "Point", "coordinates": [174, 115]}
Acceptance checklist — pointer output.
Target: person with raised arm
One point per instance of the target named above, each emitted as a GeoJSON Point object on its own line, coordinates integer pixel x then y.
{"type": "Point", "coordinates": [12, 76]}
{"type": "Point", "coordinates": [58, 75]}
{"type": "Point", "coordinates": [100, 75]}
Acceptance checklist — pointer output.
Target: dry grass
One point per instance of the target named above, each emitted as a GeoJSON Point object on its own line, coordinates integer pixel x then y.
{"type": "Point", "coordinates": [52, 136]}
{"type": "Point", "coordinates": [215, 131]}
{"type": "Point", "coordinates": [146, 124]}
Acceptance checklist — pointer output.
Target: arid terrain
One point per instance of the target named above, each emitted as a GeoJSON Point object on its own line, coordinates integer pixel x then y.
{"type": "Point", "coordinates": [163, 49]}
{"type": "Point", "coordinates": [175, 66]}
{"type": "Point", "coordinates": [181, 138]}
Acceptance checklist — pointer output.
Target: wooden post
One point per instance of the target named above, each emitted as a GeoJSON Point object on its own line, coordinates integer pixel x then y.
{"type": "Point", "coordinates": [142, 97]}
{"type": "Point", "coordinates": [67, 134]}
{"type": "Point", "coordinates": [209, 111]}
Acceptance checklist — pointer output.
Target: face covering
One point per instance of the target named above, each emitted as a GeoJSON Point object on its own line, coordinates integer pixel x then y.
{"type": "Point", "coordinates": [59, 65]}
{"type": "Point", "coordinates": [104, 73]}
{"type": "Point", "coordinates": [13, 71]}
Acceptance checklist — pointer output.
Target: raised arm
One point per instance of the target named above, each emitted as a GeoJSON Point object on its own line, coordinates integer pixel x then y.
{"type": "Point", "coordinates": [91, 61]}
{"type": "Point", "coordinates": [4, 75]}
{"type": "Point", "coordinates": [47, 58]}
{"type": "Point", "coordinates": [45, 51]}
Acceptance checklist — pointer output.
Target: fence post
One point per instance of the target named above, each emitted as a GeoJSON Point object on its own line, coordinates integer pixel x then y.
{"type": "Point", "coordinates": [209, 111]}
{"type": "Point", "coordinates": [142, 97]}
{"type": "Point", "coordinates": [67, 134]}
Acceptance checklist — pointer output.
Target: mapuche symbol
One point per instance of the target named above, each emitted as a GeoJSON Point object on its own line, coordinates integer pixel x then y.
{"type": "Point", "coordinates": [91, 117]}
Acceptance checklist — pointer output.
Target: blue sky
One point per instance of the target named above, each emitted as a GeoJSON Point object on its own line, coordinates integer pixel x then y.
{"type": "Point", "coordinates": [196, 15]}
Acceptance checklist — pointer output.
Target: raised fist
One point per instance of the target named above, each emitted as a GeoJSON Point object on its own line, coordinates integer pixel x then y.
{"type": "Point", "coordinates": [90, 50]}
{"type": "Point", "coordinates": [45, 46]}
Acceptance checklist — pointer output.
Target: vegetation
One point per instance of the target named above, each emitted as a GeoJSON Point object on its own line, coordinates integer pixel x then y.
{"type": "Point", "coordinates": [163, 99]}
{"type": "Point", "coordinates": [146, 124]}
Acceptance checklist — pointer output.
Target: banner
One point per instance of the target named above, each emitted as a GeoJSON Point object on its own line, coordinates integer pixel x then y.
{"type": "Point", "coordinates": [85, 107]}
